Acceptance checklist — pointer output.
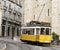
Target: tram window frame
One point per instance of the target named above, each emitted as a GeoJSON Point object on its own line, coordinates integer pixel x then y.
{"type": "Point", "coordinates": [28, 31]}
{"type": "Point", "coordinates": [32, 31]}
{"type": "Point", "coordinates": [50, 31]}
{"type": "Point", "coordinates": [42, 31]}
{"type": "Point", "coordinates": [38, 30]}
{"type": "Point", "coordinates": [47, 31]}
{"type": "Point", "coordinates": [23, 31]}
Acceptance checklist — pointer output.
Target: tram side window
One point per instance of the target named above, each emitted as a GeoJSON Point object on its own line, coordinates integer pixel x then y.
{"type": "Point", "coordinates": [24, 31]}
{"type": "Point", "coordinates": [47, 31]}
{"type": "Point", "coordinates": [32, 31]}
{"type": "Point", "coordinates": [42, 30]}
{"type": "Point", "coordinates": [28, 31]}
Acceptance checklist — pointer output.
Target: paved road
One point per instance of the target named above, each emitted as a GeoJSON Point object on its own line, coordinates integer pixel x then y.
{"type": "Point", "coordinates": [30, 47]}
{"type": "Point", "coordinates": [15, 45]}
{"type": "Point", "coordinates": [2, 46]}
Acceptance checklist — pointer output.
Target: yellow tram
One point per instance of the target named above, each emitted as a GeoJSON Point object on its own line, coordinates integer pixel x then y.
{"type": "Point", "coordinates": [36, 34]}
{"type": "Point", "coordinates": [41, 34]}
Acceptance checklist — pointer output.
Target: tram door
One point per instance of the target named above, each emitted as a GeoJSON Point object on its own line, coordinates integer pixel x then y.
{"type": "Point", "coordinates": [37, 33]}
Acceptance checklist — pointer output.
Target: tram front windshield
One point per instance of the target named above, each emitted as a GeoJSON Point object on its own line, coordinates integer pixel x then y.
{"type": "Point", "coordinates": [28, 31]}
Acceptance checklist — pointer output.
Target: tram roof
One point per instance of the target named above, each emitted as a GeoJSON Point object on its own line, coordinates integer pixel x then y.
{"type": "Point", "coordinates": [25, 27]}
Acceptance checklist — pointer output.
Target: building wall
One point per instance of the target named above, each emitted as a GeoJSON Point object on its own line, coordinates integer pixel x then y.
{"type": "Point", "coordinates": [56, 16]}
{"type": "Point", "coordinates": [37, 10]}
{"type": "Point", "coordinates": [0, 16]}
{"type": "Point", "coordinates": [41, 10]}
{"type": "Point", "coordinates": [27, 11]}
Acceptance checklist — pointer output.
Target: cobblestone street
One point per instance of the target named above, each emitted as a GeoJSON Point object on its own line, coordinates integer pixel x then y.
{"type": "Point", "coordinates": [10, 44]}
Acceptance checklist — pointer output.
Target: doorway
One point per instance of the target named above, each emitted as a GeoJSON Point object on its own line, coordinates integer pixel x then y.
{"type": "Point", "coordinates": [8, 31]}
{"type": "Point", "coordinates": [13, 32]}
{"type": "Point", "coordinates": [3, 31]}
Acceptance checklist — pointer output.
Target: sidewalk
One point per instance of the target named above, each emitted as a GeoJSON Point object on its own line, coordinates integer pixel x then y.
{"type": "Point", "coordinates": [10, 44]}
{"type": "Point", "coordinates": [9, 39]}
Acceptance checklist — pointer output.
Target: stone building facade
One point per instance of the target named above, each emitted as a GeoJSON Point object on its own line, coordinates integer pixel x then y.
{"type": "Point", "coordinates": [10, 17]}
{"type": "Point", "coordinates": [56, 16]}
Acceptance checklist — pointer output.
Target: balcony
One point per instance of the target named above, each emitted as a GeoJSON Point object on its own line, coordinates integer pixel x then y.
{"type": "Point", "coordinates": [4, 7]}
